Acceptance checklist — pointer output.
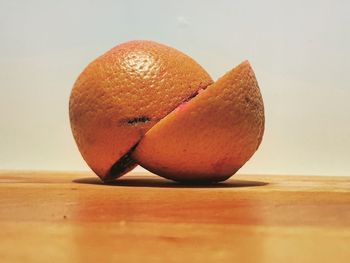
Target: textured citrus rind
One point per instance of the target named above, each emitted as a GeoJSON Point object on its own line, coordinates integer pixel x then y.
{"type": "Point", "coordinates": [122, 94]}
{"type": "Point", "coordinates": [149, 104]}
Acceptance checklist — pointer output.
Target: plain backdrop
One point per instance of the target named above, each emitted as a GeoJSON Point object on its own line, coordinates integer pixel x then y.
{"type": "Point", "coordinates": [300, 51]}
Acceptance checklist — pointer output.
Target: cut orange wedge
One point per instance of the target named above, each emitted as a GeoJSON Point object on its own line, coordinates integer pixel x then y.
{"type": "Point", "coordinates": [210, 137]}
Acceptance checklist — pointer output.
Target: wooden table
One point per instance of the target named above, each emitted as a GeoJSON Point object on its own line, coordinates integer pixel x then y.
{"type": "Point", "coordinates": [72, 217]}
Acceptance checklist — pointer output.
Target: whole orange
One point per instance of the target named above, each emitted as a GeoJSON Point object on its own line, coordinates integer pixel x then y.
{"type": "Point", "coordinates": [122, 94]}
{"type": "Point", "coordinates": [146, 103]}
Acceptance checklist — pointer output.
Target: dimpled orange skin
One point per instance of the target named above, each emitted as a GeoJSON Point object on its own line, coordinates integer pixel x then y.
{"type": "Point", "coordinates": [122, 94]}
{"type": "Point", "coordinates": [210, 137]}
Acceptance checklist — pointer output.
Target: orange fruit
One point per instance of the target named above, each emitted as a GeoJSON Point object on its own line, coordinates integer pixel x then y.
{"type": "Point", "coordinates": [210, 137]}
{"type": "Point", "coordinates": [149, 104]}
{"type": "Point", "coordinates": [122, 94]}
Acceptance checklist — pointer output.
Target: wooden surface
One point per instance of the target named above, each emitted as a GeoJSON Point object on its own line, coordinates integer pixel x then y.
{"type": "Point", "coordinates": [72, 217]}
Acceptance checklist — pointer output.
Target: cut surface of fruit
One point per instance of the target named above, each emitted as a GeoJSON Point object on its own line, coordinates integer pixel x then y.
{"type": "Point", "coordinates": [211, 136]}
{"type": "Point", "coordinates": [122, 94]}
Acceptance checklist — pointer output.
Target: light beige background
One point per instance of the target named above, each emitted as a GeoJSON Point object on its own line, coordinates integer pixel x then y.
{"type": "Point", "coordinates": [299, 50]}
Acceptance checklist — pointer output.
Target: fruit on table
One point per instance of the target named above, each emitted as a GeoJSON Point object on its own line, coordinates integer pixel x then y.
{"type": "Point", "coordinates": [149, 104]}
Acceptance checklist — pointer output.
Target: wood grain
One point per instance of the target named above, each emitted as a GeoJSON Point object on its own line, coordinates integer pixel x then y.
{"type": "Point", "coordinates": [73, 217]}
